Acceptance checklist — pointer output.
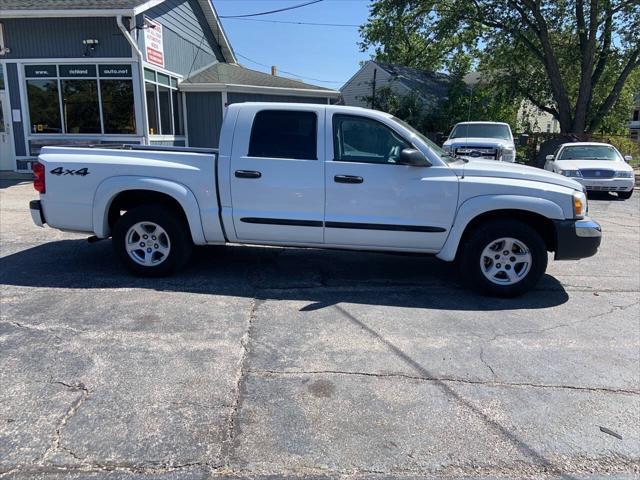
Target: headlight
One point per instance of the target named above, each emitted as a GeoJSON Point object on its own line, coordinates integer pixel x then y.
{"type": "Point", "coordinates": [447, 148]}
{"type": "Point", "coordinates": [624, 174]}
{"type": "Point", "coordinates": [579, 204]}
{"type": "Point", "coordinates": [570, 173]}
{"type": "Point", "coordinates": [508, 152]}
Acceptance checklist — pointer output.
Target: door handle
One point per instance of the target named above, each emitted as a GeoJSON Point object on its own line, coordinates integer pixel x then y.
{"type": "Point", "coordinates": [347, 179]}
{"type": "Point", "coordinates": [247, 174]}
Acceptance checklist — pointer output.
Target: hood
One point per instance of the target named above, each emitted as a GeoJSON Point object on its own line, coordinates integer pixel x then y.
{"type": "Point", "coordinates": [491, 168]}
{"type": "Point", "coordinates": [478, 142]}
{"type": "Point", "coordinates": [599, 164]}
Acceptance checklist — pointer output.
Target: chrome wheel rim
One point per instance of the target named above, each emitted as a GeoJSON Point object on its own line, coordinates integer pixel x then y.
{"type": "Point", "coordinates": [147, 244]}
{"type": "Point", "coordinates": [505, 261]}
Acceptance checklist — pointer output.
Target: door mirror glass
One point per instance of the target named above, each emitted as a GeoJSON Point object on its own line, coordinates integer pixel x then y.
{"type": "Point", "coordinates": [549, 157]}
{"type": "Point", "coordinates": [413, 157]}
{"type": "Point", "coordinates": [628, 158]}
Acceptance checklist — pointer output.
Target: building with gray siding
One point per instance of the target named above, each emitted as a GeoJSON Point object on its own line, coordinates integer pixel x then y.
{"type": "Point", "coordinates": [158, 72]}
{"type": "Point", "coordinates": [431, 88]}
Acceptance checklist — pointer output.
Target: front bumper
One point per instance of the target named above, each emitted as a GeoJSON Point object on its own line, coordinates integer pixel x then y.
{"type": "Point", "coordinates": [37, 214]}
{"type": "Point", "coordinates": [606, 184]}
{"type": "Point", "coordinates": [577, 239]}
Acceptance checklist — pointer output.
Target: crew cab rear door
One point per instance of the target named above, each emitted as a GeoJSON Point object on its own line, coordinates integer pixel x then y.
{"type": "Point", "coordinates": [372, 201]}
{"type": "Point", "coordinates": [277, 174]}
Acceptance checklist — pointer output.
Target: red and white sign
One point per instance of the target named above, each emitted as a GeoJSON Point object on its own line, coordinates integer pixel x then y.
{"type": "Point", "coordinates": [153, 42]}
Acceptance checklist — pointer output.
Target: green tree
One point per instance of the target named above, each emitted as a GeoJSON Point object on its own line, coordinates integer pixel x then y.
{"type": "Point", "coordinates": [571, 58]}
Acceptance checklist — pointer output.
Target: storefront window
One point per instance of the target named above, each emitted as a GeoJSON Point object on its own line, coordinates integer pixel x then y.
{"type": "Point", "coordinates": [177, 112]}
{"type": "Point", "coordinates": [152, 108]}
{"type": "Point", "coordinates": [164, 104]}
{"type": "Point", "coordinates": [80, 106]}
{"type": "Point", "coordinates": [165, 111]}
{"type": "Point", "coordinates": [81, 99]}
{"type": "Point", "coordinates": [117, 106]}
{"type": "Point", "coordinates": [44, 106]}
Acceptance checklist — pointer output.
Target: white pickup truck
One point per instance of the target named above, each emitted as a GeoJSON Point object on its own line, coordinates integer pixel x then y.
{"type": "Point", "coordinates": [485, 140]}
{"type": "Point", "coordinates": [317, 176]}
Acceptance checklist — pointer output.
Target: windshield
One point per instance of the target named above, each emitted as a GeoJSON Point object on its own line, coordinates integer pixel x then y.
{"type": "Point", "coordinates": [481, 130]}
{"type": "Point", "coordinates": [589, 152]}
{"type": "Point", "coordinates": [435, 148]}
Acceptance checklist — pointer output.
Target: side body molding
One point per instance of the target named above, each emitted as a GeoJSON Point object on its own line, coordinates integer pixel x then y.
{"type": "Point", "coordinates": [475, 206]}
{"type": "Point", "coordinates": [111, 187]}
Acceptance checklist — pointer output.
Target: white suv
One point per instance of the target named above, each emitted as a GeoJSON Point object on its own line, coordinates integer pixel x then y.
{"type": "Point", "coordinates": [599, 167]}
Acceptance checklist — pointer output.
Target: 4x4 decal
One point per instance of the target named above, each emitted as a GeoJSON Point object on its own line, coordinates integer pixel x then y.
{"type": "Point", "coordinates": [60, 171]}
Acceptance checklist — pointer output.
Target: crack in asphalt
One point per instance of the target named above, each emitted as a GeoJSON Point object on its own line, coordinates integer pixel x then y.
{"type": "Point", "coordinates": [482, 359]}
{"type": "Point", "coordinates": [232, 428]}
{"type": "Point", "coordinates": [38, 328]}
{"type": "Point", "coordinates": [99, 467]}
{"type": "Point", "coordinates": [613, 309]}
{"type": "Point", "coordinates": [71, 411]}
{"type": "Point", "coordinates": [488, 383]}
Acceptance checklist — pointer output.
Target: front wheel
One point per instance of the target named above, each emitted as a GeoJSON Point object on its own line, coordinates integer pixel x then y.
{"type": "Point", "coordinates": [503, 257]}
{"type": "Point", "coordinates": [152, 241]}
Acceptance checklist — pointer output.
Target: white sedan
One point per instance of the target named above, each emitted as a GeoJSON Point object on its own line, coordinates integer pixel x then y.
{"type": "Point", "coordinates": [598, 166]}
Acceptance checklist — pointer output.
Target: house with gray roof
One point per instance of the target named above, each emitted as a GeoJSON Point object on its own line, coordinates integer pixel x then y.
{"type": "Point", "coordinates": [156, 72]}
{"type": "Point", "coordinates": [431, 88]}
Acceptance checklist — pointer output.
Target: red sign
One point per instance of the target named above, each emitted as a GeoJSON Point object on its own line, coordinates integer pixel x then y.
{"type": "Point", "coordinates": [153, 42]}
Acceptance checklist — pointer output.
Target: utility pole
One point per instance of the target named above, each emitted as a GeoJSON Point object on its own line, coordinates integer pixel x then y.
{"type": "Point", "coordinates": [373, 93]}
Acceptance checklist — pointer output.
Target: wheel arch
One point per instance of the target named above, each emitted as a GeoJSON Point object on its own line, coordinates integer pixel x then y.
{"type": "Point", "coordinates": [118, 194]}
{"type": "Point", "coordinates": [536, 212]}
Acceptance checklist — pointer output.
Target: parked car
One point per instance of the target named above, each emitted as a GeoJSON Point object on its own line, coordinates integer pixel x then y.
{"type": "Point", "coordinates": [486, 140]}
{"type": "Point", "coordinates": [598, 166]}
{"type": "Point", "coordinates": [317, 176]}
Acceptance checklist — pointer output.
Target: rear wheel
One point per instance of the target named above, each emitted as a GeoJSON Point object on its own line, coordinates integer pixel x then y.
{"type": "Point", "coordinates": [503, 257]}
{"type": "Point", "coordinates": [152, 241]}
{"type": "Point", "coordinates": [625, 195]}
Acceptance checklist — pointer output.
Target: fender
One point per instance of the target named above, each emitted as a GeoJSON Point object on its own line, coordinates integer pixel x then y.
{"type": "Point", "coordinates": [111, 187]}
{"type": "Point", "coordinates": [475, 206]}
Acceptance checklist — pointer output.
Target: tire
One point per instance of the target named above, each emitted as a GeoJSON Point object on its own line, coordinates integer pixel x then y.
{"type": "Point", "coordinates": [511, 275]}
{"type": "Point", "coordinates": [625, 195]}
{"type": "Point", "coordinates": [166, 247]}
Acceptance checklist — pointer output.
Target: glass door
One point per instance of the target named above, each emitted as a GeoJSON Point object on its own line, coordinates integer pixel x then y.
{"type": "Point", "coordinates": [6, 148]}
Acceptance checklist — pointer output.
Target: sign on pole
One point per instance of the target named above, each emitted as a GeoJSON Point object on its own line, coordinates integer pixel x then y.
{"type": "Point", "coordinates": [153, 42]}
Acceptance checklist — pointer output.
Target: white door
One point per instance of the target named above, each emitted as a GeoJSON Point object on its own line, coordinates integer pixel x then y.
{"type": "Point", "coordinates": [277, 175]}
{"type": "Point", "coordinates": [373, 201]}
{"type": "Point", "coordinates": [6, 146]}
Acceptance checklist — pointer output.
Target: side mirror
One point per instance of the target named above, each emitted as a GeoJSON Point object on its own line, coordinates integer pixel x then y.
{"type": "Point", "coordinates": [628, 158]}
{"type": "Point", "coordinates": [524, 139]}
{"type": "Point", "coordinates": [549, 158]}
{"type": "Point", "coordinates": [413, 157]}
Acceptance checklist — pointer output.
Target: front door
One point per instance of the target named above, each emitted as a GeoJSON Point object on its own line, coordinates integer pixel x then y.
{"type": "Point", "coordinates": [277, 175]}
{"type": "Point", "coordinates": [6, 147]}
{"type": "Point", "coordinates": [372, 201]}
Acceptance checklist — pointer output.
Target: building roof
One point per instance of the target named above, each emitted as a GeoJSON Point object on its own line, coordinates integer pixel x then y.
{"type": "Point", "coordinates": [71, 8]}
{"type": "Point", "coordinates": [234, 74]}
{"type": "Point", "coordinates": [71, 4]}
{"type": "Point", "coordinates": [431, 86]}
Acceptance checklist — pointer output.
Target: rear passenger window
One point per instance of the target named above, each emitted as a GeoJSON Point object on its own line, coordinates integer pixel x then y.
{"type": "Point", "coordinates": [284, 134]}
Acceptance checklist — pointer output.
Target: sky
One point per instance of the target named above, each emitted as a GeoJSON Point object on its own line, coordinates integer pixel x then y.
{"type": "Point", "coordinates": [312, 53]}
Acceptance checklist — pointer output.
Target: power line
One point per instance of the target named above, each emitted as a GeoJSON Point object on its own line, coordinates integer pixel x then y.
{"type": "Point", "coordinates": [289, 73]}
{"type": "Point", "coordinates": [295, 23]}
{"type": "Point", "coordinates": [273, 11]}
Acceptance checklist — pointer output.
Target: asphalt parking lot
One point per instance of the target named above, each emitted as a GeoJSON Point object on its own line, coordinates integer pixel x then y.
{"type": "Point", "coordinates": [286, 363]}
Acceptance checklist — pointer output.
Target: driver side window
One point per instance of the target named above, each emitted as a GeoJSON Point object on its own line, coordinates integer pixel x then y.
{"type": "Point", "coordinates": [360, 139]}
